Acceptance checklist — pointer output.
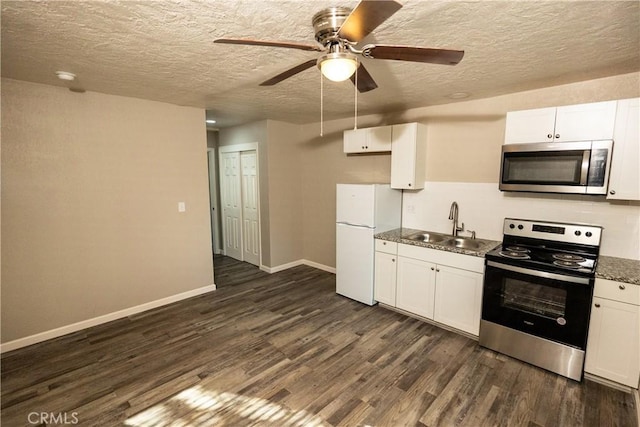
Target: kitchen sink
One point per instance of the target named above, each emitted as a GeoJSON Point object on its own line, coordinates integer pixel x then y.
{"type": "Point", "coordinates": [462, 243]}
{"type": "Point", "coordinates": [445, 240]}
{"type": "Point", "coordinates": [429, 237]}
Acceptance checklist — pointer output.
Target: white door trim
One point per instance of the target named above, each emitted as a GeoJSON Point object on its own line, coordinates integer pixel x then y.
{"type": "Point", "coordinates": [248, 146]}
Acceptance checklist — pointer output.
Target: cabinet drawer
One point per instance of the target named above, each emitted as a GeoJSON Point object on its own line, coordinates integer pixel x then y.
{"type": "Point", "coordinates": [386, 246]}
{"type": "Point", "coordinates": [465, 262]}
{"type": "Point", "coordinates": [617, 291]}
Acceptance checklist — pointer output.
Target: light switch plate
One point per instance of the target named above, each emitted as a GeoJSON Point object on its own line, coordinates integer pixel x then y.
{"type": "Point", "coordinates": [182, 207]}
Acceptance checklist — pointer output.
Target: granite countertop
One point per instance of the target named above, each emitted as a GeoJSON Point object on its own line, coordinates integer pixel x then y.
{"type": "Point", "coordinates": [398, 235]}
{"type": "Point", "coordinates": [618, 269]}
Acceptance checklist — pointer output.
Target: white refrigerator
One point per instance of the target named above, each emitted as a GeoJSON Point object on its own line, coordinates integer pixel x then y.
{"type": "Point", "coordinates": [362, 210]}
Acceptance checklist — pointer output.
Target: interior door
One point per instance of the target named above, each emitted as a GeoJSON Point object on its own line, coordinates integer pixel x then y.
{"type": "Point", "coordinates": [250, 228]}
{"type": "Point", "coordinates": [231, 204]}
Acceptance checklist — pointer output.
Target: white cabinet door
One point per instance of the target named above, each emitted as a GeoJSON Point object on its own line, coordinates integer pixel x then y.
{"type": "Point", "coordinates": [458, 298]}
{"type": "Point", "coordinates": [582, 122]}
{"type": "Point", "coordinates": [613, 347]}
{"type": "Point", "coordinates": [415, 286]}
{"type": "Point", "coordinates": [354, 141]}
{"type": "Point", "coordinates": [624, 181]}
{"type": "Point", "coordinates": [530, 126]}
{"type": "Point", "coordinates": [379, 139]}
{"type": "Point", "coordinates": [368, 140]}
{"type": "Point", "coordinates": [408, 156]}
{"type": "Point", "coordinates": [585, 122]}
{"type": "Point", "coordinates": [385, 278]}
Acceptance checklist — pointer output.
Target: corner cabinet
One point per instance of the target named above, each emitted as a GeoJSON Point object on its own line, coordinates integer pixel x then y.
{"type": "Point", "coordinates": [368, 140]}
{"type": "Point", "coordinates": [582, 122]}
{"type": "Point", "coordinates": [408, 156]}
{"type": "Point", "coordinates": [624, 180]}
{"type": "Point", "coordinates": [436, 285]}
{"type": "Point", "coordinates": [613, 346]}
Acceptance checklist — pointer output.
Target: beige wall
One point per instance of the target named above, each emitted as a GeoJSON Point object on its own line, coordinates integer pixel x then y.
{"type": "Point", "coordinates": [463, 145]}
{"type": "Point", "coordinates": [90, 188]}
{"type": "Point", "coordinates": [285, 193]}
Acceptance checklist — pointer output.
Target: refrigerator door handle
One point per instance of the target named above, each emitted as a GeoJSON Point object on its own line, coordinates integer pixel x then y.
{"type": "Point", "coordinates": [347, 224]}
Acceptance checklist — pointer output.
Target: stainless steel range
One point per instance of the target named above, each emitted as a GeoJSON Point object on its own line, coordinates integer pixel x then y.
{"type": "Point", "coordinates": [538, 287]}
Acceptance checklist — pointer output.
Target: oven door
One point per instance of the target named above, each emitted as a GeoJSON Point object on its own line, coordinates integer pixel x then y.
{"type": "Point", "coordinates": [547, 305]}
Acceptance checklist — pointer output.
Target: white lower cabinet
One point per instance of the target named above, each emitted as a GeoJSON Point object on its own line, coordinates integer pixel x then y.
{"type": "Point", "coordinates": [385, 278]}
{"type": "Point", "coordinates": [613, 346]}
{"type": "Point", "coordinates": [458, 299]}
{"type": "Point", "coordinates": [437, 285]}
{"type": "Point", "coordinates": [415, 286]}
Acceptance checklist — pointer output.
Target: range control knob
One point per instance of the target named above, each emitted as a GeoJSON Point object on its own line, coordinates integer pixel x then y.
{"type": "Point", "coordinates": [588, 234]}
{"type": "Point", "coordinates": [577, 232]}
{"type": "Point", "coordinates": [511, 226]}
{"type": "Point", "coordinates": [520, 227]}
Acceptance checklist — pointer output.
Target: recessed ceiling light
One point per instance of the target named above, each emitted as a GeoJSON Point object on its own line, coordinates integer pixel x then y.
{"type": "Point", "coordinates": [65, 75]}
{"type": "Point", "coordinates": [211, 121]}
{"type": "Point", "coordinates": [458, 95]}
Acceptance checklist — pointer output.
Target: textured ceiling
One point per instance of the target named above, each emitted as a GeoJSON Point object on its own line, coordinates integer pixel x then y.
{"type": "Point", "coordinates": [163, 50]}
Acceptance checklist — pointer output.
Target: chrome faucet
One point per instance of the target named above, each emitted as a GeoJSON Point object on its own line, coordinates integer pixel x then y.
{"type": "Point", "coordinates": [453, 214]}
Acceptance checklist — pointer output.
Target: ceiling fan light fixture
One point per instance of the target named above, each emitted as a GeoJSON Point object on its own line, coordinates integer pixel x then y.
{"type": "Point", "coordinates": [338, 66]}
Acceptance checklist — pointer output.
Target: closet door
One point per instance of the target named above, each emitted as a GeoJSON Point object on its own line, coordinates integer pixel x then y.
{"type": "Point", "coordinates": [231, 204]}
{"type": "Point", "coordinates": [250, 219]}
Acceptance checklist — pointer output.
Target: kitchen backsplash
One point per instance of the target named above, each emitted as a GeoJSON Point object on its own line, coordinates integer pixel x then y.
{"type": "Point", "coordinates": [483, 208]}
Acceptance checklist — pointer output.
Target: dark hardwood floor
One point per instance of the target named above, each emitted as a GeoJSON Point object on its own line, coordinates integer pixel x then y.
{"type": "Point", "coordinates": [285, 350]}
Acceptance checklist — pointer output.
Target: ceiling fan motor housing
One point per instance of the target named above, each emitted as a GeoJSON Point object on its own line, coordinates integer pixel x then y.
{"type": "Point", "coordinates": [327, 22]}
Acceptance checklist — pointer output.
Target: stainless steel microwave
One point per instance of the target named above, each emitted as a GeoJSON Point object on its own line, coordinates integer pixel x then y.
{"type": "Point", "coordinates": [563, 167]}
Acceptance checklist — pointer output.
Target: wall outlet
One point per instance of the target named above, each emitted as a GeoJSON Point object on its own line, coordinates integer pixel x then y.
{"type": "Point", "coordinates": [411, 209]}
{"type": "Point", "coordinates": [182, 207]}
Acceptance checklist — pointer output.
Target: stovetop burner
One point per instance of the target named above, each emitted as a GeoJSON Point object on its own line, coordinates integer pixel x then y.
{"type": "Point", "coordinates": [517, 249]}
{"type": "Point", "coordinates": [510, 253]}
{"type": "Point", "coordinates": [567, 264]}
{"type": "Point", "coordinates": [576, 259]}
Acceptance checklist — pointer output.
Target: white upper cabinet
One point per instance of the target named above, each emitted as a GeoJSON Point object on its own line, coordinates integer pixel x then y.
{"type": "Point", "coordinates": [582, 122]}
{"type": "Point", "coordinates": [368, 140]}
{"type": "Point", "coordinates": [624, 180]}
{"type": "Point", "coordinates": [408, 156]}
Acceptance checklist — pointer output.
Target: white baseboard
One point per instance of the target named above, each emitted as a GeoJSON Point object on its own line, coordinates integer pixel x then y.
{"type": "Point", "coordinates": [64, 330]}
{"type": "Point", "coordinates": [319, 266]}
{"type": "Point", "coordinates": [296, 263]}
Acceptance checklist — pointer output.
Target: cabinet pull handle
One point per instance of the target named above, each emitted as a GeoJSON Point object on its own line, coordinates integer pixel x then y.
{"type": "Point", "coordinates": [549, 135]}
{"type": "Point", "coordinates": [384, 243]}
{"type": "Point", "coordinates": [612, 192]}
{"type": "Point", "coordinates": [557, 135]}
{"type": "Point", "coordinates": [432, 268]}
{"type": "Point", "coordinates": [597, 305]}
{"type": "Point", "coordinates": [622, 287]}
{"type": "Point", "coordinates": [409, 184]}
{"type": "Point", "coordinates": [393, 260]}
{"type": "Point", "coordinates": [437, 270]}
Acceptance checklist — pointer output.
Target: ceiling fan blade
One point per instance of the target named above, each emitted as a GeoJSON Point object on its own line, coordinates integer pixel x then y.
{"type": "Point", "coordinates": [367, 15]}
{"type": "Point", "coordinates": [288, 45]}
{"type": "Point", "coordinates": [365, 81]}
{"type": "Point", "coordinates": [289, 73]}
{"type": "Point", "coordinates": [414, 54]}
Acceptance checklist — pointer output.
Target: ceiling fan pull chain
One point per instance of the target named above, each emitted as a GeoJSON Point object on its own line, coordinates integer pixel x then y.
{"type": "Point", "coordinates": [355, 88]}
{"type": "Point", "coordinates": [321, 105]}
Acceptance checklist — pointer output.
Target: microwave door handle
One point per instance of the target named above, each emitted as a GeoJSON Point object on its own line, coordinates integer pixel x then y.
{"type": "Point", "coordinates": [586, 157]}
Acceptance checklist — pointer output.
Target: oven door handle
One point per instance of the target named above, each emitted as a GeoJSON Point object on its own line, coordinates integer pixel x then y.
{"type": "Point", "coordinates": [544, 274]}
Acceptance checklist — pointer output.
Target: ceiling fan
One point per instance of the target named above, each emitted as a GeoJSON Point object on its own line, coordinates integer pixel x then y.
{"type": "Point", "coordinates": [338, 30]}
